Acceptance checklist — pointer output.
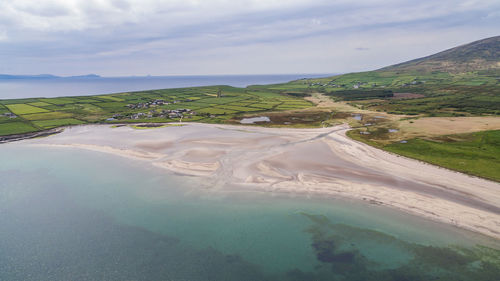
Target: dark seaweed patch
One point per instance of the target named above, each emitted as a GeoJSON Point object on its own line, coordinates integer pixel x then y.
{"type": "Point", "coordinates": [335, 247]}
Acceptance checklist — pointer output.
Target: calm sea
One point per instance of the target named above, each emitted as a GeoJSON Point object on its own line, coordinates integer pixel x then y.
{"type": "Point", "coordinates": [68, 214]}
{"type": "Point", "coordinates": [27, 88]}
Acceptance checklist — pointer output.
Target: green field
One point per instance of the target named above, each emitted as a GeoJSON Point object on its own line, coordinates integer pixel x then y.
{"type": "Point", "coordinates": [47, 115]}
{"type": "Point", "coordinates": [11, 128]}
{"type": "Point", "coordinates": [475, 153]}
{"type": "Point", "coordinates": [24, 109]}
{"type": "Point", "coordinates": [442, 93]}
{"type": "Point", "coordinates": [47, 124]}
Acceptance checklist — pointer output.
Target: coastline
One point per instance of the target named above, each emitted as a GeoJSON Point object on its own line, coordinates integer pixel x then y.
{"type": "Point", "coordinates": [322, 162]}
{"type": "Point", "coordinates": [31, 135]}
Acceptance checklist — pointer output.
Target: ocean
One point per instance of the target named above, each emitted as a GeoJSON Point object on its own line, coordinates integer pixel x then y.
{"type": "Point", "coordinates": [56, 87]}
{"type": "Point", "coordinates": [71, 214]}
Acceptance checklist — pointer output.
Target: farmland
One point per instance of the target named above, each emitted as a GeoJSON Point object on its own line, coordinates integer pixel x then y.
{"type": "Point", "coordinates": [216, 104]}
{"type": "Point", "coordinates": [431, 94]}
{"type": "Point", "coordinates": [420, 108]}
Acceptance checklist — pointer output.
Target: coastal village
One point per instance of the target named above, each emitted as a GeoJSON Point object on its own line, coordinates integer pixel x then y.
{"type": "Point", "coordinates": [155, 113]}
{"type": "Point", "coordinates": [163, 113]}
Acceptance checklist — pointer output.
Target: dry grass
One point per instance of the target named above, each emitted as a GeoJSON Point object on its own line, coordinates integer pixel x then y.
{"type": "Point", "coordinates": [435, 126]}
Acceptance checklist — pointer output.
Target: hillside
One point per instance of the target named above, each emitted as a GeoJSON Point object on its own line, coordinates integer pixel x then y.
{"type": "Point", "coordinates": [462, 81]}
{"type": "Point", "coordinates": [479, 55]}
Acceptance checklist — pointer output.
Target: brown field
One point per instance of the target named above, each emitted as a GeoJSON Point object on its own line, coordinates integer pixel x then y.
{"type": "Point", "coordinates": [434, 126]}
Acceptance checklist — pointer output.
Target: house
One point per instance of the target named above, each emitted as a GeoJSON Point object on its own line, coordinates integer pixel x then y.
{"type": "Point", "coordinates": [10, 115]}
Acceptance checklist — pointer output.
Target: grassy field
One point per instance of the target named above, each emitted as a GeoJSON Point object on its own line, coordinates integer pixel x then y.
{"type": "Point", "coordinates": [9, 128]}
{"type": "Point", "coordinates": [20, 109]}
{"type": "Point", "coordinates": [48, 124]}
{"type": "Point", "coordinates": [475, 153]}
{"type": "Point", "coordinates": [434, 94]}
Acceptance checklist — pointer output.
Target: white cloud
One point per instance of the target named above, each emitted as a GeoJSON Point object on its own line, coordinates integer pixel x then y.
{"type": "Point", "coordinates": [57, 15]}
{"type": "Point", "coordinates": [238, 36]}
{"type": "Point", "coordinates": [3, 35]}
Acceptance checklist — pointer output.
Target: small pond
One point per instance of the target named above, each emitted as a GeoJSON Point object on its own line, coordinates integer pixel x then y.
{"type": "Point", "coordinates": [255, 119]}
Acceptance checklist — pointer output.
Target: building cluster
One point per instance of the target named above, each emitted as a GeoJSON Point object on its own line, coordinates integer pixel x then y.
{"type": "Point", "coordinates": [318, 84]}
{"type": "Point", "coordinates": [329, 84]}
{"type": "Point", "coordinates": [154, 103]}
{"type": "Point", "coordinates": [9, 114]}
{"type": "Point", "coordinates": [359, 84]}
{"type": "Point", "coordinates": [413, 83]}
{"type": "Point", "coordinates": [147, 104]}
{"type": "Point", "coordinates": [166, 113]}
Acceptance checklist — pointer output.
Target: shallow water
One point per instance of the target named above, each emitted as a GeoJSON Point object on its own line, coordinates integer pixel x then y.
{"type": "Point", "coordinates": [357, 116]}
{"type": "Point", "coordinates": [254, 120]}
{"type": "Point", "coordinates": [69, 214]}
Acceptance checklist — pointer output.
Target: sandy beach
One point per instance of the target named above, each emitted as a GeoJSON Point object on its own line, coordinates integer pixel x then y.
{"type": "Point", "coordinates": [306, 162]}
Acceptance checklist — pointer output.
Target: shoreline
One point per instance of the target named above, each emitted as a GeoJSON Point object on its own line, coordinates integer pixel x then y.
{"type": "Point", "coordinates": [322, 162]}
{"type": "Point", "coordinates": [30, 135]}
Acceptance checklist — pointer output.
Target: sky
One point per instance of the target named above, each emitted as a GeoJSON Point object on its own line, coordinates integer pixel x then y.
{"type": "Point", "coordinates": [212, 37]}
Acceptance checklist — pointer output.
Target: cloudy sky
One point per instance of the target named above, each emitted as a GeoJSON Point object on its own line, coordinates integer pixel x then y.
{"type": "Point", "coordinates": [191, 37]}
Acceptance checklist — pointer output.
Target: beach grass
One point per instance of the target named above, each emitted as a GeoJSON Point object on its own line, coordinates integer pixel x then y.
{"type": "Point", "coordinates": [474, 153]}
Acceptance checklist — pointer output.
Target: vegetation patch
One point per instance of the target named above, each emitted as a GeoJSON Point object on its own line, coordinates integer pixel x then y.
{"type": "Point", "coordinates": [39, 103]}
{"type": "Point", "coordinates": [344, 251]}
{"type": "Point", "coordinates": [59, 101]}
{"type": "Point", "coordinates": [475, 153]}
{"type": "Point", "coordinates": [12, 128]}
{"type": "Point", "coordinates": [361, 94]}
{"type": "Point", "coordinates": [216, 111]}
{"type": "Point", "coordinates": [21, 109]}
{"type": "Point", "coordinates": [155, 126]}
{"type": "Point", "coordinates": [109, 98]}
{"type": "Point", "coordinates": [46, 124]}
{"type": "Point", "coordinates": [47, 115]}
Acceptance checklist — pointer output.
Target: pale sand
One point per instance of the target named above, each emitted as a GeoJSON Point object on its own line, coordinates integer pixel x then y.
{"type": "Point", "coordinates": [306, 162]}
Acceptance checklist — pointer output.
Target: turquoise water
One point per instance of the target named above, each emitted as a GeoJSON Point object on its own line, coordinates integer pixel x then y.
{"type": "Point", "coordinates": [69, 214]}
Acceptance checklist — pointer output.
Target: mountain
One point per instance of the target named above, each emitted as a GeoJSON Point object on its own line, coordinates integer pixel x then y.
{"type": "Point", "coordinates": [479, 55]}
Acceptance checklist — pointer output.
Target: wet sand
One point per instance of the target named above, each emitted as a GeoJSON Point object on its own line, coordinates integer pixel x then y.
{"type": "Point", "coordinates": [307, 162]}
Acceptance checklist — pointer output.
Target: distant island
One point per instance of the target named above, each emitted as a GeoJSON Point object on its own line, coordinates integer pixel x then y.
{"type": "Point", "coordinates": [44, 76]}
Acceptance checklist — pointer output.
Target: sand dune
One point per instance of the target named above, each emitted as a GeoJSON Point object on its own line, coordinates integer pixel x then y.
{"type": "Point", "coordinates": [308, 162]}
